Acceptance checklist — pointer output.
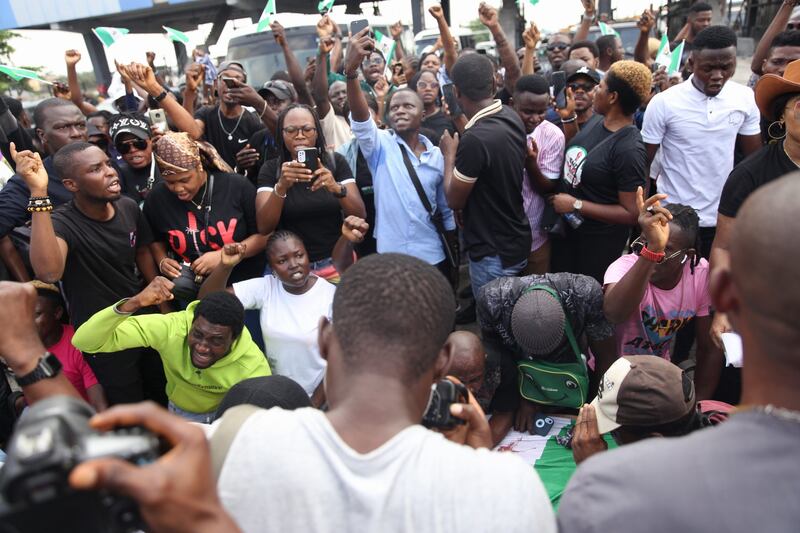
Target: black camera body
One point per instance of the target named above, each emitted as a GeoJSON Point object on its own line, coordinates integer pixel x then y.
{"type": "Point", "coordinates": [187, 285]}
{"type": "Point", "coordinates": [50, 439]}
{"type": "Point", "coordinates": [444, 393]}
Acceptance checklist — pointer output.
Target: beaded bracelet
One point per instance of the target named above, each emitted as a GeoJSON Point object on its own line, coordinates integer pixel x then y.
{"type": "Point", "coordinates": [39, 204]}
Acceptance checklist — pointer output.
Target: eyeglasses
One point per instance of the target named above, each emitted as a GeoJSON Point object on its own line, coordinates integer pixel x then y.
{"type": "Point", "coordinates": [292, 131]}
{"type": "Point", "coordinates": [557, 46]}
{"type": "Point", "coordinates": [425, 85]}
{"type": "Point", "coordinates": [640, 242]}
{"type": "Point", "coordinates": [376, 60]}
{"type": "Point", "coordinates": [585, 87]}
{"type": "Point", "coordinates": [125, 146]}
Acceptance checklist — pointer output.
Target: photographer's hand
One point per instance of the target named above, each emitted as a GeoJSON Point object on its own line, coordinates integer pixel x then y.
{"type": "Point", "coordinates": [175, 494]}
{"type": "Point", "coordinates": [476, 432]}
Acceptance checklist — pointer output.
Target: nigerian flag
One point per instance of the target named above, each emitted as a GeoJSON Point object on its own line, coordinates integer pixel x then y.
{"type": "Point", "coordinates": [386, 46]}
{"type": "Point", "coordinates": [675, 59]}
{"type": "Point", "coordinates": [663, 57]}
{"type": "Point", "coordinates": [21, 73]}
{"type": "Point", "coordinates": [324, 6]}
{"type": "Point", "coordinates": [175, 35]}
{"type": "Point", "coordinates": [109, 35]}
{"type": "Point", "coordinates": [266, 16]}
{"type": "Point", "coordinates": [531, 2]}
{"type": "Point", "coordinates": [605, 29]}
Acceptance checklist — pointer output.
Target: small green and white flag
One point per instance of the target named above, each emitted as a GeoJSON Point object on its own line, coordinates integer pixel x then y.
{"type": "Point", "coordinates": [675, 60]}
{"type": "Point", "coordinates": [175, 35]}
{"type": "Point", "coordinates": [266, 16]}
{"type": "Point", "coordinates": [664, 57]}
{"type": "Point", "coordinates": [386, 46]}
{"type": "Point", "coordinates": [324, 6]}
{"type": "Point", "coordinates": [21, 73]}
{"type": "Point", "coordinates": [531, 2]}
{"type": "Point", "coordinates": [109, 35]}
{"type": "Point", "coordinates": [605, 29]}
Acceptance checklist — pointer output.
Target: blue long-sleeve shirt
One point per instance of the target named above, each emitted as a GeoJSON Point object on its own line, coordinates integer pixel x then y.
{"type": "Point", "coordinates": [15, 195]}
{"type": "Point", "coordinates": [402, 224]}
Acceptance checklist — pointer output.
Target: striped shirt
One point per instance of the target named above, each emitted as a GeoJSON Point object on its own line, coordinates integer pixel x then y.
{"type": "Point", "coordinates": [550, 141]}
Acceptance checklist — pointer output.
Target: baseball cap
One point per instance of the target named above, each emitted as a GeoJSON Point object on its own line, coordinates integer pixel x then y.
{"type": "Point", "coordinates": [584, 71]}
{"type": "Point", "coordinates": [232, 65]}
{"type": "Point", "coordinates": [134, 124]}
{"type": "Point", "coordinates": [92, 130]}
{"type": "Point", "coordinates": [280, 89]}
{"type": "Point", "coordinates": [642, 391]}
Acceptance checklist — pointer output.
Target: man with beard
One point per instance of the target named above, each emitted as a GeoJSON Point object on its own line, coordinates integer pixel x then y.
{"type": "Point", "coordinates": [403, 224]}
{"type": "Point", "coordinates": [579, 112]}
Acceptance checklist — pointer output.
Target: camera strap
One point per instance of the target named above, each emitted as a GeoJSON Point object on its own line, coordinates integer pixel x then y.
{"type": "Point", "coordinates": [227, 429]}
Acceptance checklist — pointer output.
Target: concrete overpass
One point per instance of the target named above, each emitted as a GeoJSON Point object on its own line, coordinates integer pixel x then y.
{"type": "Point", "coordinates": [147, 16]}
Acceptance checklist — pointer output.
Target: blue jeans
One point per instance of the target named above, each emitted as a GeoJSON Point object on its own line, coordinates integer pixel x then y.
{"type": "Point", "coordinates": [202, 418]}
{"type": "Point", "coordinates": [489, 268]}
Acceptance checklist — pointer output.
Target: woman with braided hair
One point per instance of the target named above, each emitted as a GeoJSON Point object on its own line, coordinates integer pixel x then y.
{"type": "Point", "coordinates": [654, 292]}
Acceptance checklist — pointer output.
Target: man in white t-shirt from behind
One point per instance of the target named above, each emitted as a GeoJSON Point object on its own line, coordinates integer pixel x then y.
{"type": "Point", "coordinates": [698, 124]}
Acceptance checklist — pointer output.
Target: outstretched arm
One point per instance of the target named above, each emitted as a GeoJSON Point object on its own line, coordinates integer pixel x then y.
{"type": "Point", "coordinates": [589, 14]}
{"type": "Point", "coordinates": [72, 57]}
{"type": "Point", "coordinates": [642, 51]}
{"type": "Point", "coordinates": [354, 229]}
{"type": "Point", "coordinates": [777, 25]}
{"type": "Point", "coordinates": [508, 57]}
{"type": "Point", "coordinates": [450, 53]}
{"type": "Point", "coordinates": [319, 84]}
{"type": "Point", "coordinates": [292, 66]}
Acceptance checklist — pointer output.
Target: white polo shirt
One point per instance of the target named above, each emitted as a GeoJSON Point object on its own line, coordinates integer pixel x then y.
{"type": "Point", "coordinates": [697, 134]}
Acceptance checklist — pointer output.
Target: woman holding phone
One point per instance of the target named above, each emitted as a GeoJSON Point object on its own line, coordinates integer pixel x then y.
{"type": "Point", "coordinates": [427, 87]}
{"type": "Point", "coordinates": [306, 189]}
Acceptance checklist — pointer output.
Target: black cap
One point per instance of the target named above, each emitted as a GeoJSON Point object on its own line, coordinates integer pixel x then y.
{"type": "Point", "coordinates": [584, 71]}
{"type": "Point", "coordinates": [232, 65]}
{"type": "Point", "coordinates": [135, 125]}
{"type": "Point", "coordinates": [282, 90]}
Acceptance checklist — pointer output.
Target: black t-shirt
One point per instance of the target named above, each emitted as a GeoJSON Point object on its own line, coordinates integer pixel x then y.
{"type": "Point", "coordinates": [769, 163]}
{"type": "Point", "coordinates": [232, 218]}
{"type": "Point", "coordinates": [491, 155]}
{"type": "Point", "coordinates": [599, 163]}
{"type": "Point", "coordinates": [438, 123]}
{"type": "Point", "coordinates": [267, 148]}
{"type": "Point", "coordinates": [101, 262]}
{"type": "Point", "coordinates": [315, 216]}
{"type": "Point", "coordinates": [230, 143]}
{"type": "Point", "coordinates": [136, 182]}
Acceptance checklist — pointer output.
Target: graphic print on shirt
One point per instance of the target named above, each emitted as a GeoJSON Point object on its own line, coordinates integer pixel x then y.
{"type": "Point", "coordinates": [574, 160]}
{"type": "Point", "coordinates": [660, 331]}
{"type": "Point", "coordinates": [193, 238]}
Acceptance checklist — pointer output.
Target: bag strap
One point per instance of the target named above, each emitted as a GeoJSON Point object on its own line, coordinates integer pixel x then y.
{"type": "Point", "coordinates": [415, 180]}
{"type": "Point", "coordinates": [226, 431]}
{"type": "Point", "coordinates": [567, 326]}
{"type": "Point", "coordinates": [601, 143]}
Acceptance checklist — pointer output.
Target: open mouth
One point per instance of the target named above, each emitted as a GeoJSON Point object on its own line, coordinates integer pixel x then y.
{"type": "Point", "coordinates": [200, 360]}
{"type": "Point", "coordinates": [297, 276]}
{"type": "Point", "coordinates": [114, 186]}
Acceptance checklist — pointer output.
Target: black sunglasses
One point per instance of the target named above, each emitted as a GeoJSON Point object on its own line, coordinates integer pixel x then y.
{"type": "Point", "coordinates": [585, 87]}
{"type": "Point", "coordinates": [791, 26]}
{"type": "Point", "coordinates": [125, 147]}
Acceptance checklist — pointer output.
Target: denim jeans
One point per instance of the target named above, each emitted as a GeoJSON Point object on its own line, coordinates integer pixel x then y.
{"type": "Point", "coordinates": [485, 270]}
{"type": "Point", "coordinates": [202, 418]}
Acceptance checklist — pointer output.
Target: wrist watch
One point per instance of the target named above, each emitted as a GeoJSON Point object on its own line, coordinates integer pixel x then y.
{"type": "Point", "coordinates": [49, 366]}
{"type": "Point", "coordinates": [342, 192]}
{"type": "Point", "coordinates": [577, 205]}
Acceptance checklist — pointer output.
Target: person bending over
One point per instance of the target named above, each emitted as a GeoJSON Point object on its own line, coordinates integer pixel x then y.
{"type": "Point", "coordinates": [205, 349]}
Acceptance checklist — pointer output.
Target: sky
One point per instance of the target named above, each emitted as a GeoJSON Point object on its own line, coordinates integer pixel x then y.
{"type": "Point", "coordinates": [549, 15]}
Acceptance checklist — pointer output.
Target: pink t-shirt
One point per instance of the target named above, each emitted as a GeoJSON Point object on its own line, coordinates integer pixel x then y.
{"type": "Point", "coordinates": [74, 366]}
{"type": "Point", "coordinates": [661, 313]}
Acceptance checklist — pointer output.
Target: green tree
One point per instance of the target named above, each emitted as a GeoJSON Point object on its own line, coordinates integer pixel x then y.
{"type": "Point", "coordinates": [8, 85]}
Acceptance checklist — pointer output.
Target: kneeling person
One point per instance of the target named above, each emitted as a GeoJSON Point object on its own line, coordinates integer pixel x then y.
{"type": "Point", "coordinates": [205, 349]}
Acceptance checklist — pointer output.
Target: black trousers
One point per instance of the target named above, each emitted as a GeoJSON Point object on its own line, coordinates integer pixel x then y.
{"type": "Point", "coordinates": [130, 376]}
{"type": "Point", "coordinates": [588, 253]}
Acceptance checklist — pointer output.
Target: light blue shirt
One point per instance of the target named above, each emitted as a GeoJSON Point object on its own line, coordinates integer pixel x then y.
{"type": "Point", "coordinates": [402, 224]}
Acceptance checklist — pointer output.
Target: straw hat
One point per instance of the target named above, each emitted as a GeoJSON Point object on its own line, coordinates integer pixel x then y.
{"type": "Point", "coordinates": [770, 86]}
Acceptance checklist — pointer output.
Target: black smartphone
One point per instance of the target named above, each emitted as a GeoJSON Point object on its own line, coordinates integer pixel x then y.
{"type": "Point", "coordinates": [542, 424]}
{"type": "Point", "coordinates": [443, 394]}
{"type": "Point", "coordinates": [230, 82]}
{"type": "Point", "coordinates": [449, 94]}
{"type": "Point", "coordinates": [308, 156]}
{"type": "Point", "coordinates": [358, 25]}
{"type": "Point", "coordinates": [558, 83]}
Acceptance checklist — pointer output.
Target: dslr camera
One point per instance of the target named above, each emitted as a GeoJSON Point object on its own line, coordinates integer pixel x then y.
{"type": "Point", "coordinates": [50, 439]}
{"type": "Point", "coordinates": [444, 393]}
{"type": "Point", "coordinates": [187, 284]}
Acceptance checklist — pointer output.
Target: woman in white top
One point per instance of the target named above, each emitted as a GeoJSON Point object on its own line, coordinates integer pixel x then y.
{"type": "Point", "coordinates": [291, 300]}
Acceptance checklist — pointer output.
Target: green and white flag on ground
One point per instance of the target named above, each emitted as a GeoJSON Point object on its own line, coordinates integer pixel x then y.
{"type": "Point", "coordinates": [605, 29]}
{"type": "Point", "coordinates": [663, 57]}
{"type": "Point", "coordinates": [324, 6]}
{"type": "Point", "coordinates": [21, 73]}
{"type": "Point", "coordinates": [386, 46]}
{"type": "Point", "coordinates": [675, 60]}
{"type": "Point", "coordinates": [109, 35]}
{"type": "Point", "coordinates": [266, 16]}
{"type": "Point", "coordinates": [175, 35]}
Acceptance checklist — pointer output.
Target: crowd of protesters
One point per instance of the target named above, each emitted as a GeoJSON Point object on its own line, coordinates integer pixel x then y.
{"type": "Point", "coordinates": [298, 246]}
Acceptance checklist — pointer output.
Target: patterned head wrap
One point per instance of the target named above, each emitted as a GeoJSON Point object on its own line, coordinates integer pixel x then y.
{"type": "Point", "coordinates": [177, 152]}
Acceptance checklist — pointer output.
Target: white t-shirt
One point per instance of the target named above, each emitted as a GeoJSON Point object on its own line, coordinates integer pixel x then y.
{"type": "Point", "coordinates": [290, 471]}
{"type": "Point", "coordinates": [697, 135]}
{"type": "Point", "coordinates": [336, 130]}
{"type": "Point", "coordinates": [289, 323]}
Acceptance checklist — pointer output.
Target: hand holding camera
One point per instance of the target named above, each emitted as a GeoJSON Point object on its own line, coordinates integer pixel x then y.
{"type": "Point", "coordinates": [455, 412]}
